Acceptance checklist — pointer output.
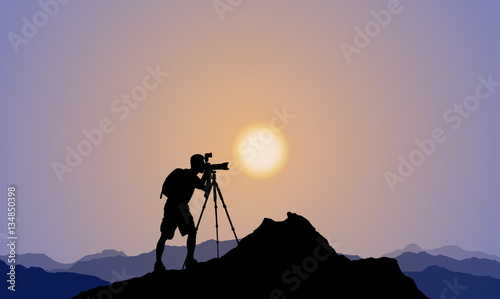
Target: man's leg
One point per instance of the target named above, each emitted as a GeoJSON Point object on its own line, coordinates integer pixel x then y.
{"type": "Point", "coordinates": [160, 247]}
{"type": "Point", "coordinates": [186, 226]}
{"type": "Point", "coordinates": [167, 229]}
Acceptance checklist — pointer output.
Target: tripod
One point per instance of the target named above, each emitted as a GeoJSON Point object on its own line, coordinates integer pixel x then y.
{"type": "Point", "coordinates": [214, 187]}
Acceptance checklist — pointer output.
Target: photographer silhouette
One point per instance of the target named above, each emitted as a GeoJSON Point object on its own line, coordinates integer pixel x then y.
{"type": "Point", "coordinates": [179, 187]}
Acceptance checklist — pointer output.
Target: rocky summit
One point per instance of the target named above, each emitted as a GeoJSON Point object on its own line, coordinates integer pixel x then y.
{"type": "Point", "coordinates": [280, 259]}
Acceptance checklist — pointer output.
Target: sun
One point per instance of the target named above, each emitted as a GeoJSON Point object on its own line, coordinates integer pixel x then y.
{"type": "Point", "coordinates": [260, 150]}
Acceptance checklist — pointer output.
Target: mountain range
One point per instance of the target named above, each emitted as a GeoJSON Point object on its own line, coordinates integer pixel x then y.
{"type": "Point", "coordinates": [440, 283]}
{"type": "Point", "coordinates": [35, 282]}
{"type": "Point", "coordinates": [43, 261]}
{"type": "Point", "coordinates": [429, 268]}
{"type": "Point", "coordinates": [453, 252]}
{"type": "Point", "coordinates": [411, 262]}
{"type": "Point", "coordinates": [285, 259]}
{"type": "Point", "coordinates": [107, 268]}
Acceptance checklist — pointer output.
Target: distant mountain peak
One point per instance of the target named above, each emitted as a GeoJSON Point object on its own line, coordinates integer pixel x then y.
{"type": "Point", "coordinates": [280, 258]}
{"type": "Point", "coordinates": [112, 252]}
{"type": "Point", "coordinates": [412, 248]}
{"type": "Point", "coordinates": [409, 248]}
{"type": "Point", "coordinates": [103, 254]}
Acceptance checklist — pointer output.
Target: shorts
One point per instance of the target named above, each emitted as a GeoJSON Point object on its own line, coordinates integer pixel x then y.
{"type": "Point", "coordinates": [176, 216]}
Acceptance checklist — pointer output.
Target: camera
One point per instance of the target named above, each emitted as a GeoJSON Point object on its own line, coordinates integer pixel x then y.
{"type": "Point", "coordinates": [212, 167]}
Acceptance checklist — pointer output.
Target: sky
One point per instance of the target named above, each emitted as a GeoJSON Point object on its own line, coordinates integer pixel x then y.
{"type": "Point", "coordinates": [388, 110]}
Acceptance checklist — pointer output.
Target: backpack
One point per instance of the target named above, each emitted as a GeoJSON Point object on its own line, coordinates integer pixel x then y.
{"type": "Point", "coordinates": [172, 179]}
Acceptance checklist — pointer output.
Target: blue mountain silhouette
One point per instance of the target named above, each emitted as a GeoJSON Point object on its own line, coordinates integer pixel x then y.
{"type": "Point", "coordinates": [415, 262]}
{"type": "Point", "coordinates": [37, 260]}
{"type": "Point", "coordinates": [455, 252]}
{"type": "Point", "coordinates": [409, 248]}
{"type": "Point", "coordinates": [34, 282]}
{"type": "Point", "coordinates": [112, 265]}
{"type": "Point", "coordinates": [437, 282]}
{"type": "Point", "coordinates": [103, 254]}
{"type": "Point", "coordinates": [131, 266]}
{"type": "Point", "coordinates": [43, 261]}
{"type": "Point", "coordinates": [458, 253]}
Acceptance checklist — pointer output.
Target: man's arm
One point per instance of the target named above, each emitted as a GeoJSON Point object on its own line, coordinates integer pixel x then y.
{"type": "Point", "coordinates": [204, 179]}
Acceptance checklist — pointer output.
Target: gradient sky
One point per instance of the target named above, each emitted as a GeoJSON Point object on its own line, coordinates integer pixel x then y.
{"type": "Point", "coordinates": [351, 120]}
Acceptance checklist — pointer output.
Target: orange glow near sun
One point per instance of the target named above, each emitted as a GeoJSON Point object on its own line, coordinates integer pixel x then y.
{"type": "Point", "coordinates": [260, 150]}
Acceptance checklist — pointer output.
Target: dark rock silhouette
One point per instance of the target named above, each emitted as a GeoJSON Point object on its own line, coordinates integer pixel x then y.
{"type": "Point", "coordinates": [36, 283]}
{"type": "Point", "coordinates": [279, 259]}
{"type": "Point", "coordinates": [352, 257]}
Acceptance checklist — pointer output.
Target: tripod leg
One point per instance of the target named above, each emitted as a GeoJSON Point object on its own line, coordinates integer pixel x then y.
{"type": "Point", "coordinates": [202, 210]}
{"type": "Point", "coordinates": [216, 221]}
{"type": "Point", "coordinates": [227, 213]}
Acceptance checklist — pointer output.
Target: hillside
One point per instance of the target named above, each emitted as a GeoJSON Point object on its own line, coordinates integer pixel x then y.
{"type": "Point", "coordinates": [437, 282]}
{"type": "Point", "coordinates": [287, 258]}
{"type": "Point", "coordinates": [36, 283]}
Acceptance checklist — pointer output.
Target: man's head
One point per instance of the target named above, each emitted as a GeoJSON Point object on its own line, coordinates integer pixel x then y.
{"type": "Point", "coordinates": [197, 163]}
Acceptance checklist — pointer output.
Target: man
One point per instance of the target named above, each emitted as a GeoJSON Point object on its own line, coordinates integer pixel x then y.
{"type": "Point", "coordinates": [179, 187]}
